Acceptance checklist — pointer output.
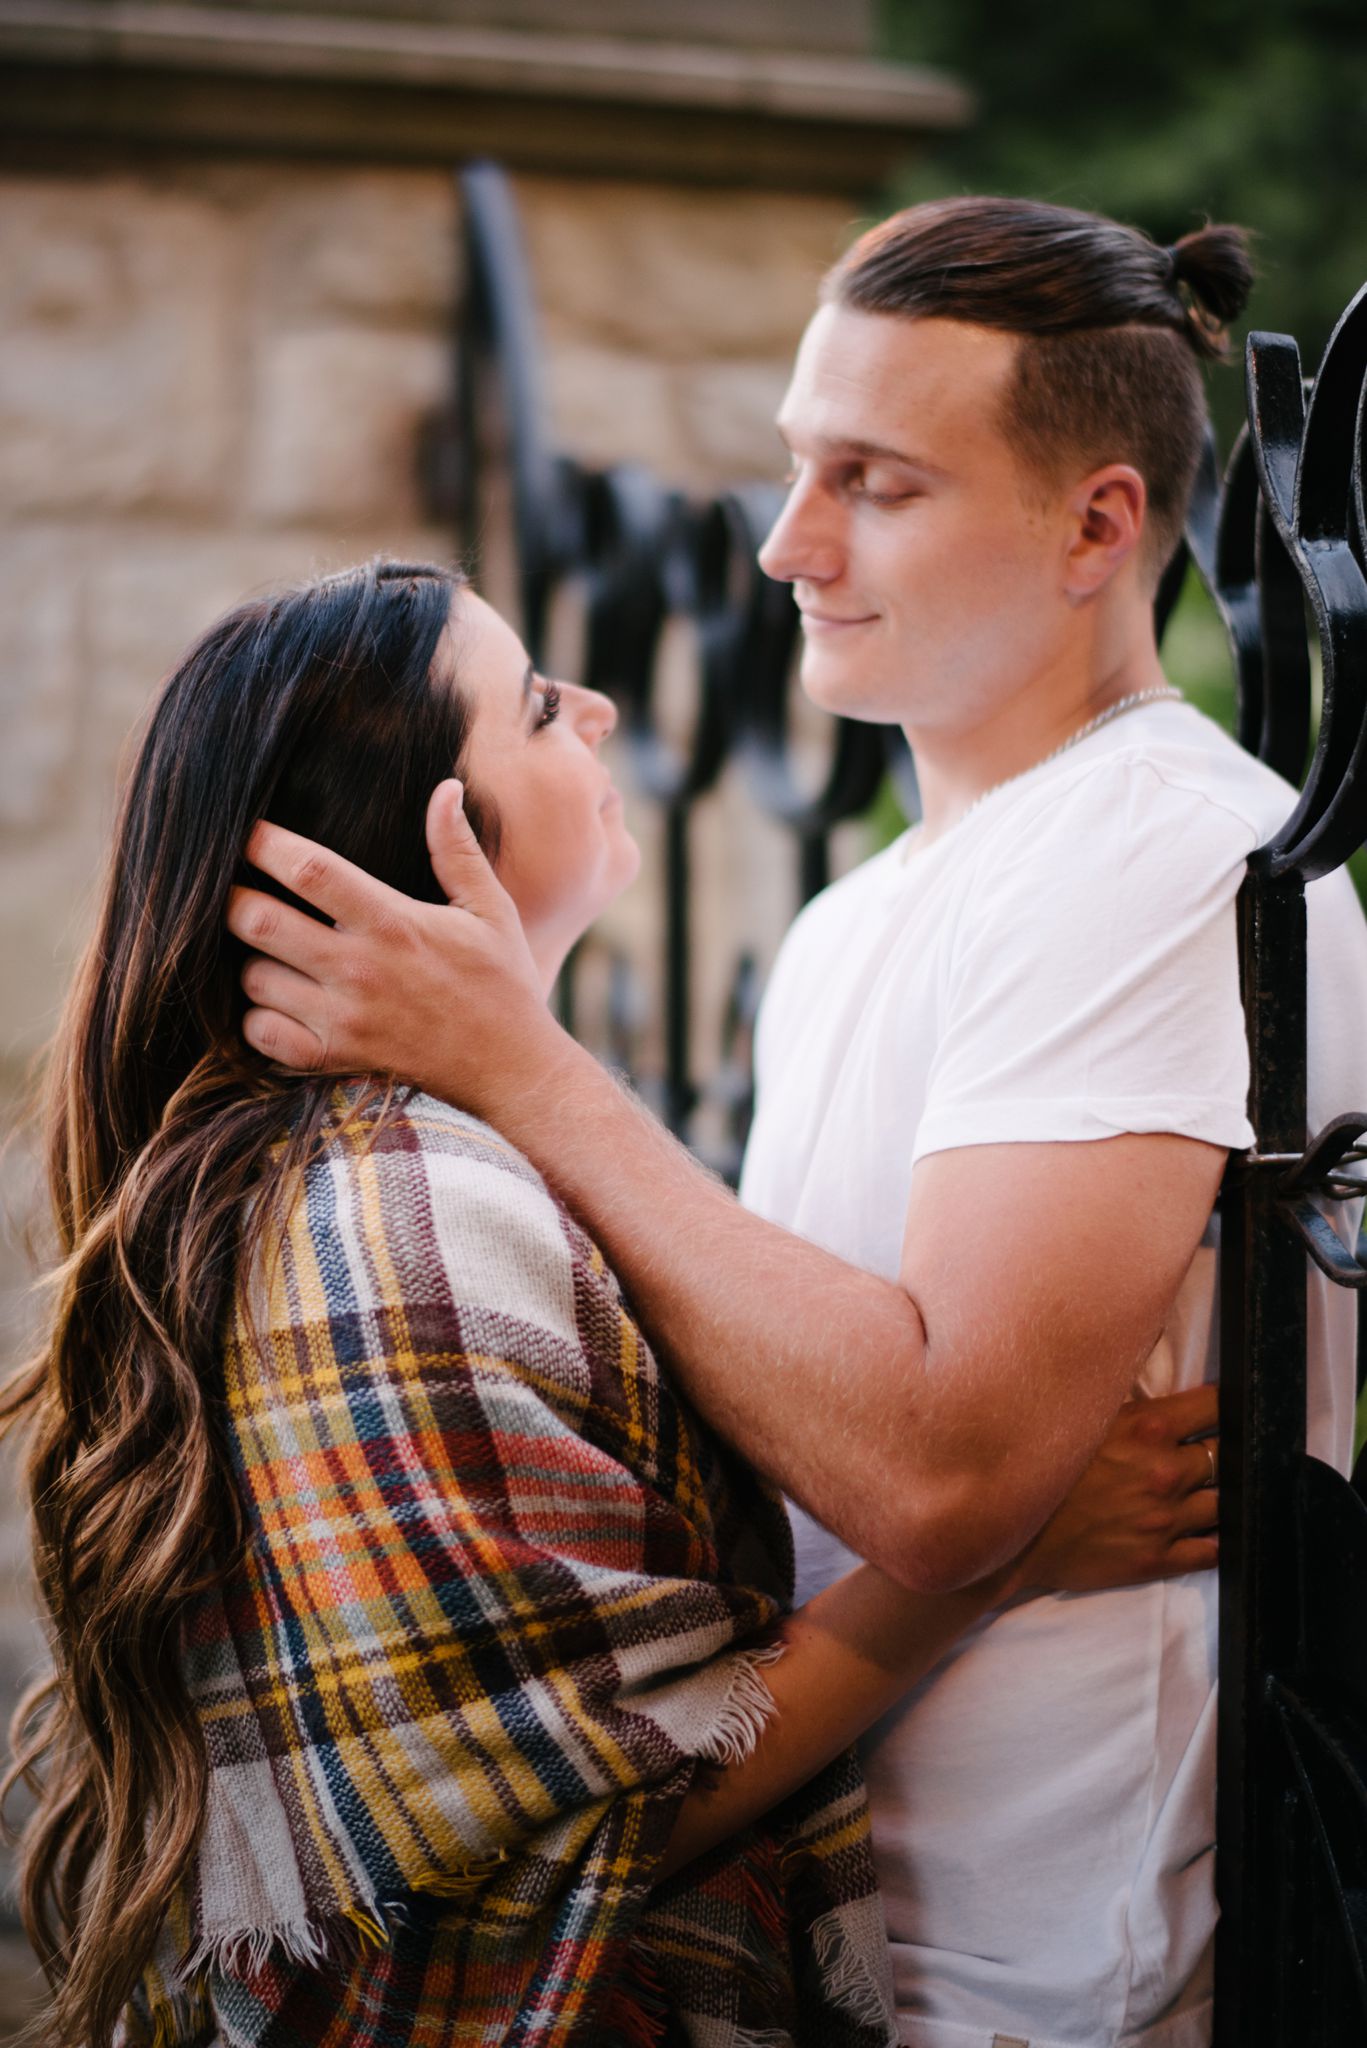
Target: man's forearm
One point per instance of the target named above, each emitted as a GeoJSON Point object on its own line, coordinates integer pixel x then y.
{"type": "Point", "coordinates": [936, 1421]}
{"type": "Point", "coordinates": [812, 1368]}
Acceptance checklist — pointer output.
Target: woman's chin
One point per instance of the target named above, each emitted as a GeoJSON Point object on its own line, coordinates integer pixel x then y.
{"type": "Point", "coordinates": [619, 874]}
{"type": "Point", "coordinates": [631, 863]}
{"type": "Point", "coordinates": [550, 948]}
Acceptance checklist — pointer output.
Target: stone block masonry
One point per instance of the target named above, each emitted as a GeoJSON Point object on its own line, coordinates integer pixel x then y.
{"type": "Point", "coordinates": [216, 378]}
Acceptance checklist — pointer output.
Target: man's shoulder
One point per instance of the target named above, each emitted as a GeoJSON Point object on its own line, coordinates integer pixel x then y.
{"type": "Point", "coordinates": [1201, 776]}
{"type": "Point", "coordinates": [1174, 818]}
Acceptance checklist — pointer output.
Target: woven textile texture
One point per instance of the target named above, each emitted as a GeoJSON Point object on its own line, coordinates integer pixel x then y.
{"type": "Point", "coordinates": [504, 1597]}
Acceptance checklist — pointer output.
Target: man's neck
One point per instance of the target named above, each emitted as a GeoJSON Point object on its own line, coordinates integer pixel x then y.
{"type": "Point", "coordinates": [956, 767]}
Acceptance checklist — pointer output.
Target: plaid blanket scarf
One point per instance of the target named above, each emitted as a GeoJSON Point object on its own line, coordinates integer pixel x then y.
{"type": "Point", "coordinates": [504, 1598]}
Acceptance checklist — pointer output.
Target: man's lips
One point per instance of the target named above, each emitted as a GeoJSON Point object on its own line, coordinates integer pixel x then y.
{"type": "Point", "coordinates": [832, 622]}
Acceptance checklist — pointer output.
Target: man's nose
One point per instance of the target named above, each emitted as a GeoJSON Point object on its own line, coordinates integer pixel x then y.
{"type": "Point", "coordinates": [802, 545]}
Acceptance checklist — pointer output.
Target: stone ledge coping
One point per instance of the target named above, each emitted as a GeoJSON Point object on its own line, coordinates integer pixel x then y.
{"type": "Point", "coordinates": [694, 77]}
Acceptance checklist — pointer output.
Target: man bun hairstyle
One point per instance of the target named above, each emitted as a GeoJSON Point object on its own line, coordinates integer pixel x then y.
{"type": "Point", "coordinates": [1113, 328]}
{"type": "Point", "coordinates": [1213, 262]}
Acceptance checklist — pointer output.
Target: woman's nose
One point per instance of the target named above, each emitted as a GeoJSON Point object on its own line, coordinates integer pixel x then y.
{"type": "Point", "coordinates": [595, 714]}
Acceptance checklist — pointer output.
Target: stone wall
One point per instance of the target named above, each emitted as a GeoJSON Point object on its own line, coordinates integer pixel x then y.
{"type": "Point", "coordinates": [216, 376]}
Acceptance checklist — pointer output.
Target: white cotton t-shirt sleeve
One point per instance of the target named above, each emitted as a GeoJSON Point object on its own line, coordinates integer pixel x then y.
{"type": "Point", "coordinates": [1093, 987]}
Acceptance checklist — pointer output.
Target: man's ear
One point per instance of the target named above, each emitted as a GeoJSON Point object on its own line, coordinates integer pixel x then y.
{"type": "Point", "coordinates": [1106, 524]}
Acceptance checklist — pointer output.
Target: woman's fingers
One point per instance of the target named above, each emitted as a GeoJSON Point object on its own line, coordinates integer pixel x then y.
{"type": "Point", "coordinates": [1197, 1513]}
{"type": "Point", "coordinates": [1194, 1412]}
{"type": "Point", "coordinates": [1202, 1463]}
{"type": "Point", "coordinates": [1195, 1554]}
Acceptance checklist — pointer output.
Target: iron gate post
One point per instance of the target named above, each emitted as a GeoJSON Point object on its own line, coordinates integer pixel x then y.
{"type": "Point", "coordinates": [1262, 1439]}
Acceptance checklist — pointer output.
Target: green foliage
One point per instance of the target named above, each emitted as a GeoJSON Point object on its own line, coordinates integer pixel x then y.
{"type": "Point", "coordinates": [1255, 112]}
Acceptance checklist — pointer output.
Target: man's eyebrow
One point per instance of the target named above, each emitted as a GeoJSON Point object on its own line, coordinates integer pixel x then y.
{"type": "Point", "coordinates": [867, 451]}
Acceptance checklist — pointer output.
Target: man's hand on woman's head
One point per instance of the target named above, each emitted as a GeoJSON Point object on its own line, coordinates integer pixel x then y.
{"type": "Point", "coordinates": [447, 996]}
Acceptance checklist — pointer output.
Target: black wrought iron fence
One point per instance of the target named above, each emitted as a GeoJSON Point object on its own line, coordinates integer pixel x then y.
{"type": "Point", "coordinates": [1283, 530]}
{"type": "Point", "coordinates": [1288, 530]}
{"type": "Point", "coordinates": [641, 558]}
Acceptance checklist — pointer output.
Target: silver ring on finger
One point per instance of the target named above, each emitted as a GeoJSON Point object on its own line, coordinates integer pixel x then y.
{"type": "Point", "coordinates": [1210, 1456]}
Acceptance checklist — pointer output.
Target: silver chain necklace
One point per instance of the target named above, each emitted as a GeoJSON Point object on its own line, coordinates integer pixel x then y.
{"type": "Point", "coordinates": [1075, 739]}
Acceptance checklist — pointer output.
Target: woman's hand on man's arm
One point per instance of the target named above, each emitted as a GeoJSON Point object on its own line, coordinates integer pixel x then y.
{"type": "Point", "coordinates": [1143, 1509]}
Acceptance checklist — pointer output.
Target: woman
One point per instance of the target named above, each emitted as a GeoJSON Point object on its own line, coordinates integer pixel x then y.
{"type": "Point", "coordinates": [409, 1634]}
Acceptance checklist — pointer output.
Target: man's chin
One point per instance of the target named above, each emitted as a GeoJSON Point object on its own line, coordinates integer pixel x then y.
{"type": "Point", "coordinates": [846, 693]}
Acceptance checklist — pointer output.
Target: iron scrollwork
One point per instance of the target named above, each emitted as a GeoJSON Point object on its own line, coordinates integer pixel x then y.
{"type": "Point", "coordinates": [1286, 536]}
{"type": "Point", "coordinates": [640, 557]}
{"type": "Point", "coordinates": [1283, 528]}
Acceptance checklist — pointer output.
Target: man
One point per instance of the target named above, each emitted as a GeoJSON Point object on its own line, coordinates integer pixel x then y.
{"type": "Point", "coordinates": [1000, 1068]}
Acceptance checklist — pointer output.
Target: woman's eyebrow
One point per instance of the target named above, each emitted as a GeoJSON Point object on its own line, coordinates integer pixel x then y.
{"type": "Point", "coordinates": [528, 687]}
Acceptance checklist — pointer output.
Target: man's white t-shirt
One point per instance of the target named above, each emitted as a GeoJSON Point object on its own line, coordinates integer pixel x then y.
{"type": "Point", "coordinates": [1059, 966]}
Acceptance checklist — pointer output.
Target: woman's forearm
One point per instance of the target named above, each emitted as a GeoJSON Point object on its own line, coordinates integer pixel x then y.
{"type": "Point", "coordinates": [849, 1655]}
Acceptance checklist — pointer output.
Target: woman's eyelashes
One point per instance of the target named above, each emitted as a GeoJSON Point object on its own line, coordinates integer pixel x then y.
{"type": "Point", "coordinates": [550, 705]}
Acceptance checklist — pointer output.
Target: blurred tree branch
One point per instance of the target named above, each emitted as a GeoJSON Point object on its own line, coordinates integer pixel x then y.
{"type": "Point", "coordinates": [1253, 112]}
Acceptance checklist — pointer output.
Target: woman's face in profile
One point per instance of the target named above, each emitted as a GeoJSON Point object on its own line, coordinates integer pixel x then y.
{"type": "Point", "coordinates": [564, 852]}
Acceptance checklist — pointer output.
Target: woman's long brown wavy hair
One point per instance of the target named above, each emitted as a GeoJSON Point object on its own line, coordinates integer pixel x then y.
{"type": "Point", "coordinates": [333, 709]}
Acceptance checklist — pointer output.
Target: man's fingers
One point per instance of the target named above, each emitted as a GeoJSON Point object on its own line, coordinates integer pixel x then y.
{"type": "Point", "coordinates": [457, 858]}
{"type": "Point", "coordinates": [282, 1040]}
{"type": "Point", "coordinates": [269, 926]}
{"type": "Point", "coordinates": [346, 894]}
{"type": "Point", "coordinates": [270, 986]}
